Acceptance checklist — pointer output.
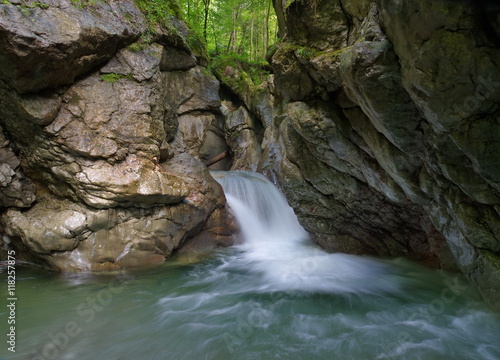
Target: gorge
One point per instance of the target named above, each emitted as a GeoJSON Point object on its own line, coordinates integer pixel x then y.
{"type": "Point", "coordinates": [379, 121]}
{"type": "Point", "coordinates": [275, 295]}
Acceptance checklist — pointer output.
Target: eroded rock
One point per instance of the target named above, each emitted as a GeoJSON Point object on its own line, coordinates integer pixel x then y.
{"type": "Point", "coordinates": [112, 191]}
{"type": "Point", "coordinates": [385, 137]}
{"type": "Point", "coordinates": [51, 44]}
{"type": "Point", "coordinates": [16, 190]}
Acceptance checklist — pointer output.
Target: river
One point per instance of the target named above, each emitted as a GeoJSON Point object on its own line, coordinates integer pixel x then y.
{"type": "Point", "coordinates": [276, 296]}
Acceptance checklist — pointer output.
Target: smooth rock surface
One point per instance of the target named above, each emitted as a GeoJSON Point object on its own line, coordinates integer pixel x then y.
{"type": "Point", "coordinates": [385, 129]}
{"type": "Point", "coordinates": [96, 126]}
{"type": "Point", "coordinates": [52, 44]}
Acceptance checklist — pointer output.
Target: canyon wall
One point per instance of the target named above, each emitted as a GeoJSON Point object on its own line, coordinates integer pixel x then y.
{"type": "Point", "coordinates": [380, 122]}
{"type": "Point", "coordinates": [97, 165]}
{"type": "Point", "coordinates": [382, 126]}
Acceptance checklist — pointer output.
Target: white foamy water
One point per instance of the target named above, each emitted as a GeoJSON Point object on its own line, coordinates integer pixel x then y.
{"type": "Point", "coordinates": [277, 296]}
{"type": "Point", "coordinates": [278, 247]}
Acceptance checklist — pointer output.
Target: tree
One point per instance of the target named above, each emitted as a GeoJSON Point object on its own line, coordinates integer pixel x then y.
{"type": "Point", "coordinates": [280, 15]}
{"type": "Point", "coordinates": [206, 10]}
{"type": "Point", "coordinates": [243, 27]}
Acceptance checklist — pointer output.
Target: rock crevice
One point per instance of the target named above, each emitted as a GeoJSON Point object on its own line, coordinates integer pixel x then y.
{"type": "Point", "coordinates": [385, 129]}
{"type": "Point", "coordinates": [100, 121]}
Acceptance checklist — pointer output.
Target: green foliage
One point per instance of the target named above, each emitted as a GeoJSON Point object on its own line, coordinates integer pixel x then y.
{"type": "Point", "coordinates": [137, 46]}
{"type": "Point", "coordinates": [148, 36]}
{"type": "Point", "coordinates": [243, 27]}
{"type": "Point", "coordinates": [240, 74]}
{"type": "Point", "coordinates": [286, 49]}
{"type": "Point", "coordinates": [305, 52]}
{"type": "Point", "coordinates": [159, 12]}
{"type": "Point", "coordinates": [38, 5]}
{"type": "Point", "coordinates": [112, 77]}
{"type": "Point", "coordinates": [27, 5]}
{"type": "Point", "coordinates": [196, 41]}
{"type": "Point", "coordinates": [83, 4]}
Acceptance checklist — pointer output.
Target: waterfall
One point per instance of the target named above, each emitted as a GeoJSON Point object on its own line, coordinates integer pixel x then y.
{"type": "Point", "coordinates": [277, 247]}
{"type": "Point", "coordinates": [261, 209]}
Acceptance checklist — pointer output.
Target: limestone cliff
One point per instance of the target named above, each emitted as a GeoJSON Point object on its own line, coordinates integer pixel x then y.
{"type": "Point", "coordinates": [384, 128]}
{"type": "Point", "coordinates": [380, 123]}
{"type": "Point", "coordinates": [95, 171]}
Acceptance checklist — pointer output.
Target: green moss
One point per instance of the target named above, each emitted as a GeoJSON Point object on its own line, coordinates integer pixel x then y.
{"type": "Point", "coordinates": [306, 52]}
{"type": "Point", "coordinates": [38, 5]}
{"type": "Point", "coordinates": [284, 51]}
{"type": "Point", "coordinates": [28, 5]}
{"type": "Point", "coordinates": [271, 50]}
{"type": "Point", "coordinates": [197, 44]}
{"type": "Point", "coordinates": [128, 16]}
{"type": "Point", "coordinates": [112, 77]}
{"type": "Point", "coordinates": [83, 4]}
{"type": "Point", "coordinates": [206, 71]}
{"type": "Point", "coordinates": [159, 12]}
{"type": "Point", "coordinates": [75, 99]}
{"type": "Point", "coordinates": [137, 46]}
{"type": "Point", "coordinates": [239, 74]}
{"type": "Point", "coordinates": [335, 54]}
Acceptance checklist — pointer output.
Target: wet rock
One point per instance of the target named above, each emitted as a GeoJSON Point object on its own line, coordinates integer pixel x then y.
{"type": "Point", "coordinates": [384, 137]}
{"type": "Point", "coordinates": [70, 236]}
{"type": "Point", "coordinates": [113, 190]}
{"type": "Point", "coordinates": [243, 134]}
{"type": "Point", "coordinates": [16, 190]}
{"type": "Point", "coordinates": [51, 44]}
{"type": "Point", "coordinates": [220, 230]}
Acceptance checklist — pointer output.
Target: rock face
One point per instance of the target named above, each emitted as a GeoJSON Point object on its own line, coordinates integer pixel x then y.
{"type": "Point", "coordinates": [385, 129]}
{"type": "Point", "coordinates": [15, 188]}
{"type": "Point", "coordinates": [63, 42]}
{"type": "Point", "coordinates": [381, 122]}
{"type": "Point", "coordinates": [98, 121]}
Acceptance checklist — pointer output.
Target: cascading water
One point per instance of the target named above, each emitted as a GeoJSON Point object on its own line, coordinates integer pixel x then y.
{"type": "Point", "coordinates": [277, 246]}
{"type": "Point", "coordinates": [276, 296]}
{"type": "Point", "coordinates": [262, 211]}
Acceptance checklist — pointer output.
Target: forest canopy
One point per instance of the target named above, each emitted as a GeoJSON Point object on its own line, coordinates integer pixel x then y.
{"type": "Point", "coordinates": [242, 27]}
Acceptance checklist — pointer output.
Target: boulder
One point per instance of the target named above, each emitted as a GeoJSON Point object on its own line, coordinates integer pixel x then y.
{"type": "Point", "coordinates": [95, 128]}
{"type": "Point", "coordinates": [386, 134]}
{"type": "Point", "coordinates": [54, 42]}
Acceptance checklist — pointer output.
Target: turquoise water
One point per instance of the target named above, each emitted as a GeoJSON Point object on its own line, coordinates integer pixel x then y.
{"type": "Point", "coordinates": [220, 307]}
{"type": "Point", "coordinates": [276, 296]}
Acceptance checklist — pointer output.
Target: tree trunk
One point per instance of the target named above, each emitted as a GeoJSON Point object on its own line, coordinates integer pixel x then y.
{"type": "Point", "coordinates": [280, 15]}
{"type": "Point", "coordinates": [205, 19]}
{"type": "Point", "coordinates": [234, 33]}
{"type": "Point", "coordinates": [217, 158]}
{"type": "Point", "coordinates": [231, 45]}
{"type": "Point", "coordinates": [266, 29]}
{"type": "Point", "coordinates": [252, 45]}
